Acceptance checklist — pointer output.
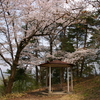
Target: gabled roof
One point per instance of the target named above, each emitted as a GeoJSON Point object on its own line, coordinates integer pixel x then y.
{"type": "Point", "coordinates": [56, 63]}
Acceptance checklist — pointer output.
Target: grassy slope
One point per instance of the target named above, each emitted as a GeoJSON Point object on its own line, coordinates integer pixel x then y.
{"type": "Point", "coordinates": [87, 89]}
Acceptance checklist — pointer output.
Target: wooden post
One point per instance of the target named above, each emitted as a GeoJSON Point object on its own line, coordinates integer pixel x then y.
{"type": "Point", "coordinates": [68, 79]}
{"type": "Point", "coordinates": [71, 80]}
{"type": "Point", "coordinates": [46, 77]}
{"type": "Point", "coordinates": [49, 79]}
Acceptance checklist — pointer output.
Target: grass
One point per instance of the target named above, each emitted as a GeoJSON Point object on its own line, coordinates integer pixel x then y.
{"type": "Point", "coordinates": [1, 81]}
{"type": "Point", "coordinates": [11, 96]}
{"type": "Point", "coordinates": [89, 89]}
{"type": "Point", "coordinates": [1, 87]}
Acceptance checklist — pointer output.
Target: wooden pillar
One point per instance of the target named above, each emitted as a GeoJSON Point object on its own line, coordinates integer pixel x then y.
{"type": "Point", "coordinates": [46, 77]}
{"type": "Point", "coordinates": [68, 79]}
{"type": "Point", "coordinates": [71, 80]}
{"type": "Point", "coordinates": [49, 79]}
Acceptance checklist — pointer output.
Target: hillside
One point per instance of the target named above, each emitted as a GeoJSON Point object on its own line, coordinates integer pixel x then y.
{"type": "Point", "coordinates": [87, 89]}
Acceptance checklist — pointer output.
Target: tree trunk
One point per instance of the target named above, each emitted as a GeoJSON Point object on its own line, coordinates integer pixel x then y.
{"type": "Point", "coordinates": [41, 76]}
{"type": "Point", "coordinates": [85, 45]}
{"type": "Point", "coordinates": [85, 37]}
{"type": "Point", "coordinates": [11, 80]}
{"type": "Point", "coordinates": [51, 47]}
{"type": "Point", "coordinates": [36, 54]}
{"type": "Point", "coordinates": [9, 86]}
{"type": "Point", "coordinates": [77, 65]}
{"type": "Point", "coordinates": [37, 79]}
{"type": "Point", "coordinates": [82, 66]}
{"type": "Point", "coordinates": [61, 76]}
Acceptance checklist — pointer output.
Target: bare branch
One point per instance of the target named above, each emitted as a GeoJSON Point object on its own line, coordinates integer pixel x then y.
{"type": "Point", "coordinates": [8, 34]}
{"type": "Point", "coordinates": [5, 59]}
{"type": "Point", "coordinates": [5, 47]}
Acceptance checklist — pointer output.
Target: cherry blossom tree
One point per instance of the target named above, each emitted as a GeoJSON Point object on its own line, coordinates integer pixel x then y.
{"type": "Point", "coordinates": [23, 20]}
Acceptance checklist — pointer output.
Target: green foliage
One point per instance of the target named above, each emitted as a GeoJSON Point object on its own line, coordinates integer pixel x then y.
{"type": "Point", "coordinates": [88, 70]}
{"type": "Point", "coordinates": [67, 43]}
{"type": "Point", "coordinates": [56, 75]}
{"type": "Point", "coordinates": [24, 85]}
{"type": "Point", "coordinates": [2, 88]}
{"type": "Point", "coordinates": [85, 35]}
{"type": "Point", "coordinates": [20, 74]}
{"type": "Point", "coordinates": [23, 81]}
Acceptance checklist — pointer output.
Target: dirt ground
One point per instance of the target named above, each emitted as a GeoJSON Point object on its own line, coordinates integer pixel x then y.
{"type": "Point", "coordinates": [39, 96]}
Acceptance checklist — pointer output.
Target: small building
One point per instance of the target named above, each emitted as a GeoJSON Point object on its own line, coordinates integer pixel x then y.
{"type": "Point", "coordinates": [58, 63]}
